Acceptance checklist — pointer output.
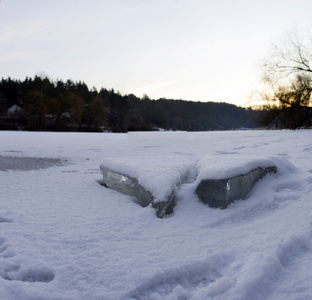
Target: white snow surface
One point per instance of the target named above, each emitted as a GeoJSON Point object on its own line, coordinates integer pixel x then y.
{"type": "Point", "coordinates": [64, 236]}
{"type": "Point", "coordinates": [225, 166]}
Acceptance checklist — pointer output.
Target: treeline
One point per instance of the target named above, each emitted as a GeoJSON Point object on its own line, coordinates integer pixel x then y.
{"type": "Point", "coordinates": [286, 117]}
{"type": "Point", "coordinates": [71, 106]}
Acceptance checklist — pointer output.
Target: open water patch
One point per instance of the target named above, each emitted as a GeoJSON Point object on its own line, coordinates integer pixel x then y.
{"type": "Point", "coordinates": [18, 163]}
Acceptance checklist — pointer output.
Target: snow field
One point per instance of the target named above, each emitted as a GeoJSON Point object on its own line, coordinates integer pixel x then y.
{"type": "Point", "coordinates": [64, 236]}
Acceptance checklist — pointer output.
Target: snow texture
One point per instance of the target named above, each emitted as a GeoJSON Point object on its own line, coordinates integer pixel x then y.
{"type": "Point", "coordinates": [64, 236]}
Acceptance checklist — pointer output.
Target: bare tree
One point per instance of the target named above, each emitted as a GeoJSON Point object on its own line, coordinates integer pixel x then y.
{"type": "Point", "coordinates": [290, 56]}
{"type": "Point", "coordinates": [298, 94]}
{"type": "Point", "coordinates": [288, 73]}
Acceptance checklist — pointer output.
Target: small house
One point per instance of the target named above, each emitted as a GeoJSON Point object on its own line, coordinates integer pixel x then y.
{"type": "Point", "coordinates": [15, 111]}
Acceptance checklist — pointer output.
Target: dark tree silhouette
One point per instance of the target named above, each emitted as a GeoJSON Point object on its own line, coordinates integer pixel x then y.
{"type": "Point", "coordinates": [72, 106]}
{"type": "Point", "coordinates": [289, 75]}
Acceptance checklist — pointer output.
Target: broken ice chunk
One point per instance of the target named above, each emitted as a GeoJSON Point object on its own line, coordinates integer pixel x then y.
{"type": "Point", "coordinates": [126, 185]}
{"type": "Point", "coordinates": [147, 180]}
{"type": "Point", "coordinates": [130, 186]}
{"type": "Point", "coordinates": [220, 193]}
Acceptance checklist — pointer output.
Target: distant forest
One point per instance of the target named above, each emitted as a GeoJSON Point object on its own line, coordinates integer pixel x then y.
{"type": "Point", "coordinates": [43, 104]}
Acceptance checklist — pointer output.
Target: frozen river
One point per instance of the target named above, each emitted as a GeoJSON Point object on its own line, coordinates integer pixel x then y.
{"type": "Point", "coordinates": [65, 236]}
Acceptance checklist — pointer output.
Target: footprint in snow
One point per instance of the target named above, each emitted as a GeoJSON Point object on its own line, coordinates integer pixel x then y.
{"type": "Point", "coordinates": [295, 257]}
{"type": "Point", "coordinates": [69, 171]}
{"type": "Point", "coordinates": [5, 220]}
{"type": "Point", "coordinates": [295, 185]}
{"type": "Point", "coordinates": [261, 144]}
{"type": "Point", "coordinates": [3, 245]}
{"type": "Point", "coordinates": [239, 148]}
{"type": "Point", "coordinates": [34, 273]}
{"type": "Point", "coordinates": [180, 283]}
{"type": "Point", "coordinates": [221, 152]}
{"type": "Point", "coordinates": [5, 250]}
{"type": "Point", "coordinates": [289, 190]}
{"type": "Point", "coordinates": [91, 171]}
{"type": "Point", "coordinates": [11, 270]}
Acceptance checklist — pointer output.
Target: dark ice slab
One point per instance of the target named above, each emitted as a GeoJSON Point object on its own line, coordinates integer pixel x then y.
{"type": "Point", "coordinates": [130, 186]}
{"type": "Point", "coordinates": [219, 193]}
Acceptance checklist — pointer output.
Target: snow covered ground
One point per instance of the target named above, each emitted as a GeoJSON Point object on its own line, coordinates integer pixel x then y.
{"type": "Point", "coordinates": [64, 236]}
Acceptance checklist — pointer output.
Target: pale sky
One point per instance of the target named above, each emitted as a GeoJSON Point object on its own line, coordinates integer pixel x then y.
{"type": "Point", "coordinates": [201, 50]}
